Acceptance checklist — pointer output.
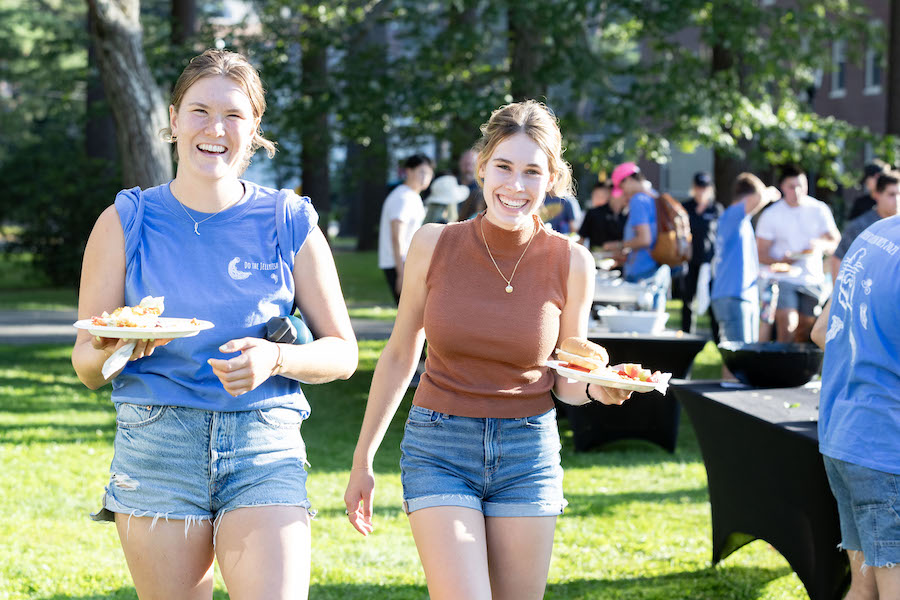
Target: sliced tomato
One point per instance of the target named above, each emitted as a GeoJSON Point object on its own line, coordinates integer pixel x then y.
{"type": "Point", "coordinates": [576, 367]}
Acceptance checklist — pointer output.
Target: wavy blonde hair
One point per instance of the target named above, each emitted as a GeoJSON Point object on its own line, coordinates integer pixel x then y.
{"type": "Point", "coordinates": [538, 122]}
{"type": "Point", "coordinates": [236, 67]}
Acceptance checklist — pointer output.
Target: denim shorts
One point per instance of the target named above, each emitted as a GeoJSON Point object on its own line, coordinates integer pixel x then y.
{"type": "Point", "coordinates": [501, 467]}
{"type": "Point", "coordinates": [799, 298]}
{"type": "Point", "coordinates": [195, 465]}
{"type": "Point", "coordinates": [869, 506]}
{"type": "Point", "coordinates": [738, 319]}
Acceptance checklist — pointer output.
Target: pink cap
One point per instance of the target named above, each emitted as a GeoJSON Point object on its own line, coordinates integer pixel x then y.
{"type": "Point", "coordinates": [620, 173]}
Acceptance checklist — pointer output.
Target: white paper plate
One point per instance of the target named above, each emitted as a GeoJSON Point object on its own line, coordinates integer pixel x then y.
{"type": "Point", "coordinates": [609, 379]}
{"type": "Point", "coordinates": [171, 328]}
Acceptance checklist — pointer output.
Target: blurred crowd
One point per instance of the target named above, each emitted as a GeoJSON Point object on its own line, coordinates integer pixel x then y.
{"type": "Point", "coordinates": [761, 263]}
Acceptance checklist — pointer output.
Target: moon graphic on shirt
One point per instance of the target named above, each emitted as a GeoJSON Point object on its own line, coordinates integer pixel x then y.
{"type": "Point", "coordinates": [233, 271]}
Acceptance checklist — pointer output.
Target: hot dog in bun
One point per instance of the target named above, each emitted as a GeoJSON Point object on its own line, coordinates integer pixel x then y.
{"type": "Point", "coordinates": [583, 353]}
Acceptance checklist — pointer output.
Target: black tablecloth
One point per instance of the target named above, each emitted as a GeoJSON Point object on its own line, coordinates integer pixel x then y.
{"type": "Point", "coordinates": [766, 478]}
{"type": "Point", "coordinates": [650, 416]}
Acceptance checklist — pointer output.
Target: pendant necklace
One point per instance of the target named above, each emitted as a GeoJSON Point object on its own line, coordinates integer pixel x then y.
{"type": "Point", "coordinates": [196, 222]}
{"type": "Point", "coordinates": [509, 287]}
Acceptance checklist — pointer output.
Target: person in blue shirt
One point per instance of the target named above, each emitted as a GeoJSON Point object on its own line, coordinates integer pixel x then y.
{"type": "Point", "coordinates": [208, 459]}
{"type": "Point", "coordinates": [859, 407]}
{"type": "Point", "coordinates": [640, 233]}
{"type": "Point", "coordinates": [735, 294]}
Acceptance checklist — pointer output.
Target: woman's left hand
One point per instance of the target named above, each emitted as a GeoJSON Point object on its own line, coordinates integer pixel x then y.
{"type": "Point", "coordinates": [246, 372]}
{"type": "Point", "coordinates": [606, 395]}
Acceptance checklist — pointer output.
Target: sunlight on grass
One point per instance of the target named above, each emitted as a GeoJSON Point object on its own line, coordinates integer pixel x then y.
{"type": "Point", "coordinates": [637, 526]}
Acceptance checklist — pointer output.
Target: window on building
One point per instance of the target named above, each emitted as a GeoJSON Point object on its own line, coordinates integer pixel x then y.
{"type": "Point", "coordinates": [874, 71]}
{"type": "Point", "coordinates": [839, 69]}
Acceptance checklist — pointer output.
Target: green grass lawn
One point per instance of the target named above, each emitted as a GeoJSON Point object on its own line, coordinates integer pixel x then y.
{"type": "Point", "coordinates": [637, 527]}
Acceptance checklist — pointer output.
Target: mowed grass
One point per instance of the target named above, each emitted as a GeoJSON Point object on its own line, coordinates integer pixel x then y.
{"type": "Point", "coordinates": [637, 526]}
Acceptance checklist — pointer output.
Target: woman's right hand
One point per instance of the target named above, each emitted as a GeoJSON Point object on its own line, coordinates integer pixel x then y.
{"type": "Point", "coordinates": [142, 348]}
{"type": "Point", "coordinates": [359, 498]}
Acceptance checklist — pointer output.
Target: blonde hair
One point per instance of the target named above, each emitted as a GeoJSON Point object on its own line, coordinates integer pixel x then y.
{"type": "Point", "coordinates": [538, 122]}
{"type": "Point", "coordinates": [236, 67]}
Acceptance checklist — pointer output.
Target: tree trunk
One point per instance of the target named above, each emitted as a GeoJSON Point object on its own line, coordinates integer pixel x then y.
{"type": "Point", "coordinates": [100, 128]}
{"type": "Point", "coordinates": [524, 36]}
{"type": "Point", "coordinates": [368, 164]}
{"type": "Point", "coordinates": [462, 132]}
{"type": "Point", "coordinates": [315, 135]}
{"type": "Point", "coordinates": [183, 21]}
{"type": "Point", "coordinates": [726, 168]}
{"type": "Point", "coordinates": [893, 70]}
{"type": "Point", "coordinates": [137, 104]}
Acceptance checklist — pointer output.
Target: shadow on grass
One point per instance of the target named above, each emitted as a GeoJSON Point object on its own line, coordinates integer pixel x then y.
{"type": "Point", "coordinates": [723, 583]}
{"type": "Point", "coordinates": [592, 505]}
{"type": "Point", "coordinates": [56, 433]}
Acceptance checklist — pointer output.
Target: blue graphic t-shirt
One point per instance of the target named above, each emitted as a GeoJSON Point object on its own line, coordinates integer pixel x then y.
{"type": "Point", "coordinates": [859, 405]}
{"type": "Point", "coordinates": [237, 274]}
{"type": "Point", "coordinates": [641, 211]}
{"type": "Point", "coordinates": [736, 261]}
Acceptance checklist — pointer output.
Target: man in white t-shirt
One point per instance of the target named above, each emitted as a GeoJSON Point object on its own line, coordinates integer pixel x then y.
{"type": "Point", "coordinates": [800, 231]}
{"type": "Point", "coordinates": [401, 215]}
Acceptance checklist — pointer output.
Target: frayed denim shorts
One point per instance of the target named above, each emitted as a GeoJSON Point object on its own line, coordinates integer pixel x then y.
{"type": "Point", "coordinates": [195, 465]}
{"type": "Point", "coordinates": [869, 507]}
{"type": "Point", "coordinates": [501, 467]}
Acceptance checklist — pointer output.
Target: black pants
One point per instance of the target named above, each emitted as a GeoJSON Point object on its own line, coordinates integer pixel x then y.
{"type": "Point", "coordinates": [391, 276]}
{"type": "Point", "coordinates": [688, 292]}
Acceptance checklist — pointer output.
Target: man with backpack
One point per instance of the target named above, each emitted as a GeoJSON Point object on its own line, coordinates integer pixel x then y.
{"type": "Point", "coordinates": [640, 233]}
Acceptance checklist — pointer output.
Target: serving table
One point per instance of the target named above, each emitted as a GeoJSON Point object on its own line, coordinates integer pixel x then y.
{"type": "Point", "coordinates": [766, 477]}
{"type": "Point", "coordinates": [649, 416]}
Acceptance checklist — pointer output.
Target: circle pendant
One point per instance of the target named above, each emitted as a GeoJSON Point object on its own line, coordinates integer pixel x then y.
{"type": "Point", "coordinates": [509, 289]}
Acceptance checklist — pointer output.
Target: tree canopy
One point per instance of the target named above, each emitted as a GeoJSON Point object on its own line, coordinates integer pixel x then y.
{"type": "Point", "coordinates": [352, 83]}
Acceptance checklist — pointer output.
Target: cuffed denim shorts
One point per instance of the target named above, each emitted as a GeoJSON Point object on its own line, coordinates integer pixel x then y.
{"type": "Point", "coordinates": [501, 467]}
{"type": "Point", "coordinates": [196, 465]}
{"type": "Point", "coordinates": [869, 507]}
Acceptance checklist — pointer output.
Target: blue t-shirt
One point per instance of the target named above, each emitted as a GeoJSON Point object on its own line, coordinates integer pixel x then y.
{"type": "Point", "coordinates": [641, 211]}
{"type": "Point", "coordinates": [561, 221]}
{"type": "Point", "coordinates": [859, 405]}
{"type": "Point", "coordinates": [736, 261]}
{"type": "Point", "coordinates": [237, 274]}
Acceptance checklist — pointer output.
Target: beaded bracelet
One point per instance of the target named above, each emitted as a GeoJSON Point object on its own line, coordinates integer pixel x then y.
{"type": "Point", "coordinates": [587, 390]}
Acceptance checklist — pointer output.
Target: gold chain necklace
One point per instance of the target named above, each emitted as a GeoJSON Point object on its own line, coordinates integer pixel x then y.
{"type": "Point", "coordinates": [509, 287]}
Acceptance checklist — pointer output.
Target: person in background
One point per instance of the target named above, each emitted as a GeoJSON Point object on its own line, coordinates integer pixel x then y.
{"type": "Point", "coordinates": [605, 220]}
{"type": "Point", "coordinates": [703, 212]}
{"type": "Point", "coordinates": [886, 192]}
{"type": "Point", "coordinates": [494, 295]}
{"type": "Point", "coordinates": [442, 202]}
{"type": "Point", "coordinates": [474, 203]}
{"type": "Point", "coordinates": [208, 460]}
{"type": "Point", "coordinates": [866, 202]}
{"type": "Point", "coordinates": [401, 216]}
{"type": "Point", "coordinates": [735, 294]}
{"type": "Point", "coordinates": [798, 230]}
{"type": "Point", "coordinates": [640, 233]}
{"type": "Point", "coordinates": [562, 213]}
{"type": "Point", "coordinates": [859, 432]}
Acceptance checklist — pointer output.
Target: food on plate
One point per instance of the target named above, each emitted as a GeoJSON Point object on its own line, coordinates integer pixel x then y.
{"type": "Point", "coordinates": [582, 354]}
{"type": "Point", "coordinates": [637, 373]}
{"type": "Point", "coordinates": [146, 314]}
{"type": "Point", "coordinates": [780, 267]}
